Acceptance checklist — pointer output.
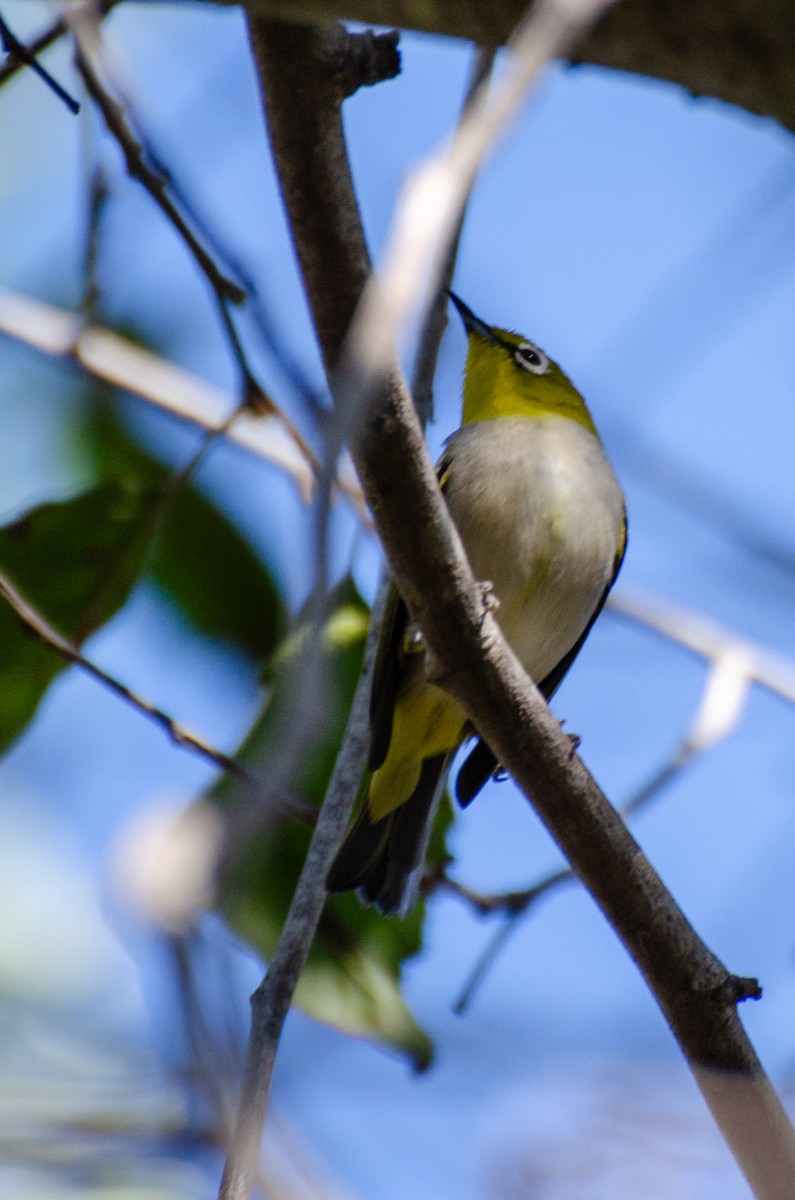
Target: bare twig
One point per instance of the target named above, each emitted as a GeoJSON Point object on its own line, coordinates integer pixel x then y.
{"type": "Point", "coordinates": [21, 55]}
{"type": "Point", "coordinates": [213, 1045]}
{"type": "Point", "coordinates": [33, 620]}
{"type": "Point", "coordinates": [436, 317]}
{"type": "Point", "coordinates": [467, 653]}
{"type": "Point", "coordinates": [225, 290]}
{"type": "Point", "coordinates": [98, 196]}
{"type": "Point", "coordinates": [210, 438]}
{"type": "Point", "coordinates": [116, 120]}
{"type": "Point", "coordinates": [257, 307]}
{"type": "Point", "coordinates": [48, 36]}
{"type": "Point", "coordinates": [145, 165]}
{"type": "Point", "coordinates": [272, 999]}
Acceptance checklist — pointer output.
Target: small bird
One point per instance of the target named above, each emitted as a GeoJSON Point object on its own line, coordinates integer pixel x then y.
{"type": "Point", "coordinates": [543, 521]}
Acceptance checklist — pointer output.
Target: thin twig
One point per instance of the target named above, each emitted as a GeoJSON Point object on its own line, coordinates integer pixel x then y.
{"type": "Point", "coordinates": [155, 178]}
{"type": "Point", "coordinates": [489, 955]}
{"type": "Point", "coordinates": [116, 120]}
{"type": "Point", "coordinates": [289, 364]}
{"type": "Point", "coordinates": [24, 56]}
{"type": "Point", "coordinates": [213, 1051]}
{"type": "Point", "coordinates": [272, 999]}
{"type": "Point", "coordinates": [42, 41]}
{"type": "Point", "coordinates": [98, 196]}
{"type": "Point", "coordinates": [210, 438]}
{"type": "Point", "coordinates": [225, 290]}
{"type": "Point", "coordinates": [38, 625]}
{"type": "Point", "coordinates": [435, 321]}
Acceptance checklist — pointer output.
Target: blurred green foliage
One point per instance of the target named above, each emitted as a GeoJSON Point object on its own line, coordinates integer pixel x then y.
{"type": "Point", "coordinates": [75, 561]}
{"type": "Point", "coordinates": [352, 978]}
{"type": "Point", "coordinates": [198, 557]}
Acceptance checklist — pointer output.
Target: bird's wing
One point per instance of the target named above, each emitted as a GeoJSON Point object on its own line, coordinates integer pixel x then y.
{"type": "Point", "coordinates": [390, 659]}
{"type": "Point", "coordinates": [481, 763]}
{"type": "Point", "coordinates": [551, 682]}
{"type": "Point", "coordinates": [387, 673]}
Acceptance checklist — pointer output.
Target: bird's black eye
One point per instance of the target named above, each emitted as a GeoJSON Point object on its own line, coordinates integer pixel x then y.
{"type": "Point", "coordinates": [530, 358]}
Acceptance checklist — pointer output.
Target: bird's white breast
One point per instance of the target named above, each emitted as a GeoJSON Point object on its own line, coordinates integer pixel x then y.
{"type": "Point", "coordinates": [541, 516]}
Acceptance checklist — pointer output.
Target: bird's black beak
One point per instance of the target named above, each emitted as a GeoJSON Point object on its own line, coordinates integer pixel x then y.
{"type": "Point", "coordinates": [472, 324]}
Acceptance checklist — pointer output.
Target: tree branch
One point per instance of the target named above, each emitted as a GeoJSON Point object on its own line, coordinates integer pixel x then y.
{"type": "Point", "coordinates": [18, 60]}
{"type": "Point", "coordinates": [116, 120]}
{"type": "Point", "coordinates": [21, 55]}
{"type": "Point", "coordinates": [469, 656]}
{"type": "Point", "coordinates": [225, 291]}
{"type": "Point", "coordinates": [436, 318]}
{"type": "Point", "coordinates": [117, 361]}
{"type": "Point", "coordinates": [734, 665]}
{"type": "Point", "coordinates": [739, 51]}
{"type": "Point", "coordinates": [36, 624]}
{"type": "Point", "coordinates": [272, 1000]}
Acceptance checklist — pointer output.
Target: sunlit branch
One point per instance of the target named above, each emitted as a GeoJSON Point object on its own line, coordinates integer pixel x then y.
{"type": "Point", "coordinates": [117, 361]}
{"type": "Point", "coordinates": [429, 210]}
{"type": "Point", "coordinates": [435, 321]}
{"type": "Point", "coordinates": [708, 639]}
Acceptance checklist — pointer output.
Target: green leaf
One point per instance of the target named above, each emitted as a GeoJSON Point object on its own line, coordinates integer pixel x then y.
{"type": "Point", "coordinates": [76, 562]}
{"type": "Point", "coordinates": [352, 977]}
{"type": "Point", "coordinates": [198, 558]}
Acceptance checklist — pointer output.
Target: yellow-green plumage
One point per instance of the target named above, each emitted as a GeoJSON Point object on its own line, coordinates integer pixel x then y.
{"type": "Point", "coordinates": [541, 516]}
{"type": "Point", "coordinates": [495, 387]}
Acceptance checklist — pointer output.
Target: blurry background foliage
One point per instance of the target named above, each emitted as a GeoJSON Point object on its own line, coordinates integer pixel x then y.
{"type": "Point", "coordinates": [646, 240]}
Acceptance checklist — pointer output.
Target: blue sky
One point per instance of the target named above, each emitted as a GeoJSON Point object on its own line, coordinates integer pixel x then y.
{"type": "Point", "coordinates": [644, 239]}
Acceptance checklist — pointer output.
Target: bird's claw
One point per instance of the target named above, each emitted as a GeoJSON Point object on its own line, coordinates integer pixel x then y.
{"type": "Point", "coordinates": [574, 740]}
{"type": "Point", "coordinates": [488, 597]}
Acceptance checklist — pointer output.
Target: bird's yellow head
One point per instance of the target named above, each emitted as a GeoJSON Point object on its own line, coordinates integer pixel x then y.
{"type": "Point", "coordinates": [508, 376]}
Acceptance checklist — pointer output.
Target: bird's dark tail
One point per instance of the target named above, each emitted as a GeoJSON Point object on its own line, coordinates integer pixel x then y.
{"type": "Point", "coordinates": [383, 859]}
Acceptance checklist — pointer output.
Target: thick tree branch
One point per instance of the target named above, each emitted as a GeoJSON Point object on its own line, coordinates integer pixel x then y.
{"type": "Point", "coordinates": [740, 51]}
{"type": "Point", "coordinates": [695, 992]}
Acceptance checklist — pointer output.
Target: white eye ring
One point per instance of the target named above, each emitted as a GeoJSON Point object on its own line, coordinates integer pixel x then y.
{"type": "Point", "coordinates": [530, 358]}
